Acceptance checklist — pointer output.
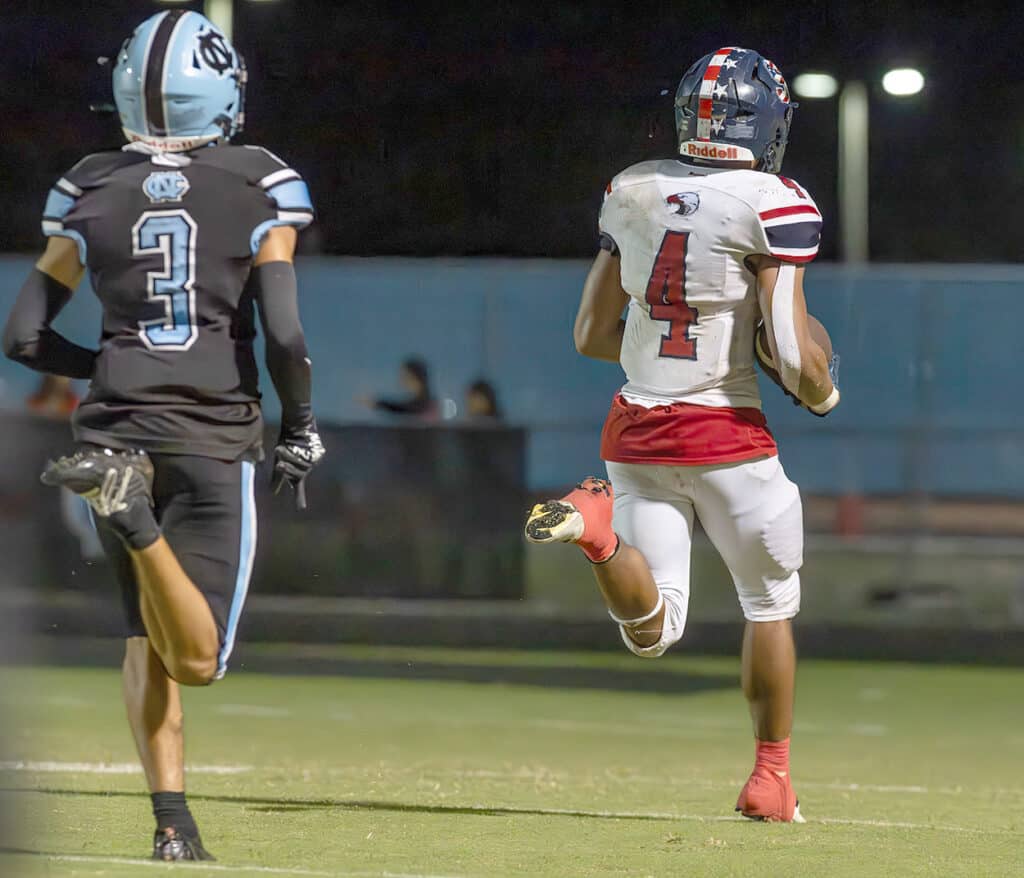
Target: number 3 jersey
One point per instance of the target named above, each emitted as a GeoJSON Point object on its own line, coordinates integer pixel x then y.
{"type": "Point", "coordinates": [169, 241]}
{"type": "Point", "coordinates": [684, 235]}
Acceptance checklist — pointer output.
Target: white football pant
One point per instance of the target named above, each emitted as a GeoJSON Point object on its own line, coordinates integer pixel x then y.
{"type": "Point", "coordinates": [751, 513]}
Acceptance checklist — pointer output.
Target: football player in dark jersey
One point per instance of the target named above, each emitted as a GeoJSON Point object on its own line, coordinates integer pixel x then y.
{"type": "Point", "coordinates": [184, 236]}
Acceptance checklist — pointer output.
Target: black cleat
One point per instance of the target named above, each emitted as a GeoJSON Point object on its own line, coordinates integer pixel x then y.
{"type": "Point", "coordinates": [117, 485]}
{"type": "Point", "coordinates": [170, 847]}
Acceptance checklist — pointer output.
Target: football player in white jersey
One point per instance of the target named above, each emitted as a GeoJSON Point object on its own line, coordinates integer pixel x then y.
{"type": "Point", "coordinates": [701, 250]}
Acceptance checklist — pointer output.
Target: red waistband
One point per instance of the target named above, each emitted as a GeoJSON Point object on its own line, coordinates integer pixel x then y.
{"type": "Point", "coordinates": [684, 434]}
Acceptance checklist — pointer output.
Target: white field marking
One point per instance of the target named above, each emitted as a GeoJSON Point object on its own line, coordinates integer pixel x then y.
{"type": "Point", "coordinates": [723, 818]}
{"type": "Point", "coordinates": [873, 694]}
{"type": "Point", "coordinates": [64, 701]}
{"type": "Point", "coordinates": [253, 710]}
{"type": "Point", "coordinates": [550, 774]}
{"type": "Point", "coordinates": [675, 727]}
{"type": "Point", "coordinates": [869, 730]}
{"type": "Point", "coordinates": [110, 768]}
{"type": "Point", "coordinates": [900, 824]}
{"type": "Point", "coordinates": [221, 867]}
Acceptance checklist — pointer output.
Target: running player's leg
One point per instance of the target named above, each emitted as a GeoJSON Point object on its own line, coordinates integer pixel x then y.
{"type": "Point", "coordinates": [642, 565]}
{"type": "Point", "coordinates": [752, 514]}
{"type": "Point", "coordinates": [210, 528]}
{"type": "Point", "coordinates": [153, 703]}
{"type": "Point", "coordinates": [192, 570]}
{"type": "Point", "coordinates": [174, 609]}
{"type": "Point", "coordinates": [153, 706]}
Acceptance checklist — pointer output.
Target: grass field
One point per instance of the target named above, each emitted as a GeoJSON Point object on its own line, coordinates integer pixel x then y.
{"type": "Point", "coordinates": [568, 765]}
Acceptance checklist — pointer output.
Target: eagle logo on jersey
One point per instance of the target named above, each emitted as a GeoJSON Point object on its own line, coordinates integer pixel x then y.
{"type": "Point", "coordinates": [165, 186]}
{"type": "Point", "coordinates": [685, 203]}
{"type": "Point", "coordinates": [215, 52]}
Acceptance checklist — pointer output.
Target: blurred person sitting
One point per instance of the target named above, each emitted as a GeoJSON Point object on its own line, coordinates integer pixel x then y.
{"type": "Point", "coordinates": [414, 376]}
{"type": "Point", "coordinates": [482, 402]}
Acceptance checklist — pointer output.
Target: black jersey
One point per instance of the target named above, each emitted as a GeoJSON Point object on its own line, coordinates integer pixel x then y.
{"type": "Point", "coordinates": [169, 241]}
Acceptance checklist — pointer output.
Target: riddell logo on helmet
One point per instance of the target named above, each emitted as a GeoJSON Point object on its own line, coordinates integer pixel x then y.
{"type": "Point", "coordinates": [712, 151]}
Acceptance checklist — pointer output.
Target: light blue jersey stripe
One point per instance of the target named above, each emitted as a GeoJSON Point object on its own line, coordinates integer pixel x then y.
{"type": "Point", "coordinates": [58, 205]}
{"type": "Point", "coordinates": [291, 195]}
{"type": "Point", "coordinates": [246, 553]}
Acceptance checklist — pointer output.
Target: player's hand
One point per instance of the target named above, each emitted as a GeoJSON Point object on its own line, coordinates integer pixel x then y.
{"type": "Point", "coordinates": [297, 452]}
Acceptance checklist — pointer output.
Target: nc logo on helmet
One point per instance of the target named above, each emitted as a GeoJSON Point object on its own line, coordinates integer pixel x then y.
{"type": "Point", "coordinates": [165, 186]}
{"type": "Point", "coordinates": [685, 202]}
{"type": "Point", "coordinates": [215, 52]}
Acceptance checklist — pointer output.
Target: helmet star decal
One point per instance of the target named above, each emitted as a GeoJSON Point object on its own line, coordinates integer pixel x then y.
{"type": "Point", "coordinates": [733, 105]}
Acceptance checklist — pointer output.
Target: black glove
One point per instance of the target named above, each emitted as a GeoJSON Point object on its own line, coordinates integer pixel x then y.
{"type": "Point", "coordinates": [297, 452]}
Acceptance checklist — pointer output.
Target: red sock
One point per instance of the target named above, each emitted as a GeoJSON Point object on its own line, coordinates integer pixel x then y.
{"type": "Point", "coordinates": [600, 548]}
{"type": "Point", "coordinates": [593, 499]}
{"type": "Point", "coordinates": [773, 755]}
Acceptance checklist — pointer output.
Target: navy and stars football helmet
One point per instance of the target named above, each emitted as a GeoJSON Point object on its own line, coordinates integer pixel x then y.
{"type": "Point", "coordinates": [179, 83]}
{"type": "Point", "coordinates": [734, 106]}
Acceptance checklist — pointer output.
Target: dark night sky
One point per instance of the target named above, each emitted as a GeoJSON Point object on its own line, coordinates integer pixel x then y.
{"type": "Point", "coordinates": [428, 128]}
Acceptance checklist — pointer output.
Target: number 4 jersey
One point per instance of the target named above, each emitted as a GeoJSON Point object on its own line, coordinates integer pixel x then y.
{"type": "Point", "coordinates": [169, 241]}
{"type": "Point", "coordinates": [684, 235]}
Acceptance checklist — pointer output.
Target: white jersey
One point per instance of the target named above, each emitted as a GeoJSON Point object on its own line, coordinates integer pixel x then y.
{"type": "Point", "coordinates": [684, 234]}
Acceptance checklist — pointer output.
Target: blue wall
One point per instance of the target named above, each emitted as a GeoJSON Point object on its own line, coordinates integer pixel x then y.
{"type": "Point", "coordinates": [931, 358]}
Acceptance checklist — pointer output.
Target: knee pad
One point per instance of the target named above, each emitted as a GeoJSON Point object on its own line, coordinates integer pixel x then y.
{"type": "Point", "coordinates": [783, 538]}
{"type": "Point", "coordinates": [671, 628]}
{"type": "Point", "coordinates": [777, 595]}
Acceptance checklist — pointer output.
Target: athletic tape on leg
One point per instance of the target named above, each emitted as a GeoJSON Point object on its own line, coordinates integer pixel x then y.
{"type": "Point", "coordinates": [633, 623]}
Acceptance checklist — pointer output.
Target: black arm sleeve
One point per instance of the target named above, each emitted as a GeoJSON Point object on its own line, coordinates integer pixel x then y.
{"type": "Point", "coordinates": [28, 338]}
{"type": "Point", "coordinates": [276, 291]}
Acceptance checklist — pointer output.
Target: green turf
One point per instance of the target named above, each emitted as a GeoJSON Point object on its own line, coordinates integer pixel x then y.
{"type": "Point", "coordinates": [902, 771]}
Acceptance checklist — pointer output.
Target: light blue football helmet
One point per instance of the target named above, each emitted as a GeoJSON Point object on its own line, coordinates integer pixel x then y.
{"type": "Point", "coordinates": [179, 83]}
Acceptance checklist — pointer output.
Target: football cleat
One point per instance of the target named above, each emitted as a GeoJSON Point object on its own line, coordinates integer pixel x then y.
{"type": "Point", "coordinates": [768, 796]}
{"type": "Point", "coordinates": [582, 516]}
{"type": "Point", "coordinates": [170, 847]}
{"type": "Point", "coordinates": [116, 484]}
{"type": "Point", "coordinates": [556, 521]}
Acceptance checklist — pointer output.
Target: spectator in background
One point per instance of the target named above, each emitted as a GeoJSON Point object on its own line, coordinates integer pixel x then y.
{"type": "Point", "coordinates": [482, 402]}
{"type": "Point", "coordinates": [55, 398]}
{"type": "Point", "coordinates": [415, 380]}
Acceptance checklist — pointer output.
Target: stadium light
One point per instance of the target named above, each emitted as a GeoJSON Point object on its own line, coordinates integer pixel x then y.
{"type": "Point", "coordinates": [815, 85]}
{"type": "Point", "coordinates": [222, 14]}
{"type": "Point", "coordinates": [903, 81]}
{"type": "Point", "coordinates": [853, 146]}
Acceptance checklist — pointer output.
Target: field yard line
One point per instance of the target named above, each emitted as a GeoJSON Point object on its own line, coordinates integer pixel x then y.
{"type": "Point", "coordinates": [111, 768]}
{"type": "Point", "coordinates": [221, 867]}
{"type": "Point", "coordinates": [673, 728]}
{"type": "Point", "coordinates": [724, 818]}
{"type": "Point", "coordinates": [551, 774]}
{"type": "Point", "coordinates": [899, 824]}
{"type": "Point", "coordinates": [260, 711]}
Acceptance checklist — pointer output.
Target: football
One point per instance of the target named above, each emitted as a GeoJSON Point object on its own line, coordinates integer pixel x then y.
{"type": "Point", "coordinates": [763, 352]}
